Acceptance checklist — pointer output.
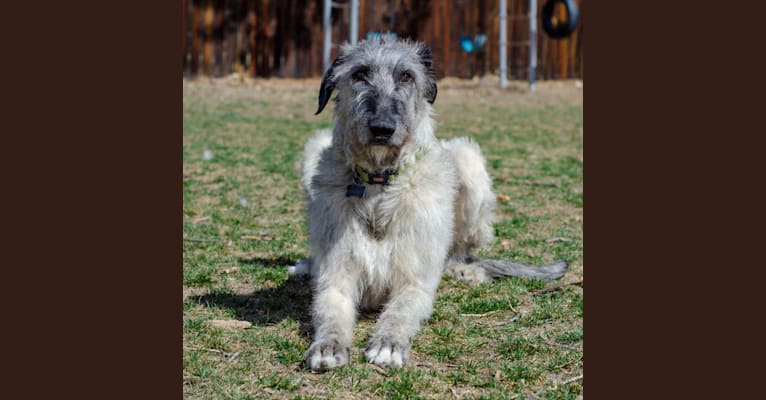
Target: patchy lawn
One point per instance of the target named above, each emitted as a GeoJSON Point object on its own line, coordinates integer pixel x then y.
{"type": "Point", "coordinates": [243, 224]}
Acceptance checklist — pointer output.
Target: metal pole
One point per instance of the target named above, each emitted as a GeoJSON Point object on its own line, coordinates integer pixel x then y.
{"type": "Point", "coordinates": [503, 43]}
{"type": "Point", "coordinates": [326, 22]}
{"type": "Point", "coordinates": [354, 31]}
{"type": "Point", "coordinates": [532, 43]}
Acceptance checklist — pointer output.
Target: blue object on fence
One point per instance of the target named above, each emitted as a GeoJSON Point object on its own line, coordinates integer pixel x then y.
{"type": "Point", "coordinates": [378, 35]}
{"type": "Point", "coordinates": [470, 44]}
{"type": "Point", "coordinates": [479, 41]}
{"type": "Point", "coordinates": [466, 43]}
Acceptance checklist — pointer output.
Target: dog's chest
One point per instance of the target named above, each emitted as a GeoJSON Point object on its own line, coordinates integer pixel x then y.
{"type": "Point", "coordinates": [376, 212]}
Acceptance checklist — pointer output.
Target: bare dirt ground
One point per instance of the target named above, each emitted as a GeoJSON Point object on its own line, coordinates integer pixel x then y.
{"type": "Point", "coordinates": [482, 90]}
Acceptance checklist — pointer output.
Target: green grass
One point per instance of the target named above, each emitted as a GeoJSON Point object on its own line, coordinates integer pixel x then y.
{"type": "Point", "coordinates": [243, 224]}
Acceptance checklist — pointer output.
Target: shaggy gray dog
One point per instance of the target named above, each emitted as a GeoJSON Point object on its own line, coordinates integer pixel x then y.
{"type": "Point", "coordinates": [390, 206]}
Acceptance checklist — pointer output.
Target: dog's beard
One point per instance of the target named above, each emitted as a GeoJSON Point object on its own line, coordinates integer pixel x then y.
{"type": "Point", "coordinates": [374, 157]}
{"type": "Point", "coordinates": [381, 157]}
{"type": "Point", "coordinates": [361, 150]}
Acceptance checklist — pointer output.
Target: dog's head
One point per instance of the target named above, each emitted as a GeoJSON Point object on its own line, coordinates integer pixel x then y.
{"type": "Point", "coordinates": [385, 89]}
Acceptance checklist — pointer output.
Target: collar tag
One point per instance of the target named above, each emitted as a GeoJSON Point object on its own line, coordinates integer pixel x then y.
{"type": "Point", "coordinates": [355, 190]}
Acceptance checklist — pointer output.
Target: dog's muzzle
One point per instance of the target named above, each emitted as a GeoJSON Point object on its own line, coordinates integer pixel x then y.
{"type": "Point", "coordinates": [381, 129]}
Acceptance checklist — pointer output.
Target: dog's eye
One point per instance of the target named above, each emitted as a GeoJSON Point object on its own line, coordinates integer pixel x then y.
{"type": "Point", "coordinates": [360, 75]}
{"type": "Point", "coordinates": [405, 77]}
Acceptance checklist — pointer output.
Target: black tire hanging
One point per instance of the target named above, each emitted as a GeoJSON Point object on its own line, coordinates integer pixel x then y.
{"type": "Point", "coordinates": [562, 30]}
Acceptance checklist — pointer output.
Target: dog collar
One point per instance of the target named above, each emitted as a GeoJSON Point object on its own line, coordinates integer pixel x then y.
{"type": "Point", "coordinates": [375, 178]}
{"type": "Point", "coordinates": [361, 176]}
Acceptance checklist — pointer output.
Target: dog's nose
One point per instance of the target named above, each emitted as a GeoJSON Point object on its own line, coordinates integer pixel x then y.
{"type": "Point", "coordinates": [382, 128]}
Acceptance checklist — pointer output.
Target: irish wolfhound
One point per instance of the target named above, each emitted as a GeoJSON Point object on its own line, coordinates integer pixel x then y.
{"type": "Point", "coordinates": [390, 206]}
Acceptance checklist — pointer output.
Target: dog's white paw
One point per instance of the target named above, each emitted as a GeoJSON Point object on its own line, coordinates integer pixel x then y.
{"type": "Point", "coordinates": [302, 267]}
{"type": "Point", "coordinates": [470, 275]}
{"type": "Point", "coordinates": [326, 354]}
{"type": "Point", "coordinates": [386, 352]}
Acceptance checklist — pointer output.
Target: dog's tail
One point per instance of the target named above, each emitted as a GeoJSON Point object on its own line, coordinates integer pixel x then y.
{"type": "Point", "coordinates": [498, 268]}
{"type": "Point", "coordinates": [475, 271]}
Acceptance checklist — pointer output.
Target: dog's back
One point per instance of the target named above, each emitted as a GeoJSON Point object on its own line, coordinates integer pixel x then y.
{"type": "Point", "coordinates": [311, 155]}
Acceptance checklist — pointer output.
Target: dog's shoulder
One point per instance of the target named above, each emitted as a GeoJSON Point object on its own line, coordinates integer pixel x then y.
{"type": "Point", "coordinates": [436, 163]}
{"type": "Point", "coordinates": [433, 173]}
{"type": "Point", "coordinates": [325, 168]}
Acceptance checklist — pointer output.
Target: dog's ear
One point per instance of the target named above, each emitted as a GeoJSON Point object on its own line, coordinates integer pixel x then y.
{"type": "Point", "coordinates": [328, 85]}
{"type": "Point", "coordinates": [426, 58]}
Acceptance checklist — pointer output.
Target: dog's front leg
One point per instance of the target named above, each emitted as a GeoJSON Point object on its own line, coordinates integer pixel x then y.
{"type": "Point", "coordinates": [334, 315]}
{"type": "Point", "coordinates": [399, 322]}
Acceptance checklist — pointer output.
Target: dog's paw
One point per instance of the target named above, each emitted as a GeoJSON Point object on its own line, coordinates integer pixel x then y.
{"type": "Point", "coordinates": [326, 354]}
{"type": "Point", "coordinates": [302, 267]}
{"type": "Point", "coordinates": [470, 275]}
{"type": "Point", "coordinates": [386, 352]}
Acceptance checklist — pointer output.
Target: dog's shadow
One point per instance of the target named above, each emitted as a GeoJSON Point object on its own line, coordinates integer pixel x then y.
{"type": "Point", "coordinates": [290, 300]}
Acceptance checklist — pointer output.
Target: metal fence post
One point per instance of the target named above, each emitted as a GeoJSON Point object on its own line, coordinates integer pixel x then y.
{"type": "Point", "coordinates": [532, 43]}
{"type": "Point", "coordinates": [503, 43]}
{"type": "Point", "coordinates": [327, 23]}
{"type": "Point", "coordinates": [354, 31]}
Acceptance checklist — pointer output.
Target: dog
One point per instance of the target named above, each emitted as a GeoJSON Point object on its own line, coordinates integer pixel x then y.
{"type": "Point", "coordinates": [391, 208]}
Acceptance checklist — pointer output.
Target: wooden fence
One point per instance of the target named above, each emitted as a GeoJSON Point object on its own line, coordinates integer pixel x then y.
{"type": "Point", "coordinates": [283, 38]}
